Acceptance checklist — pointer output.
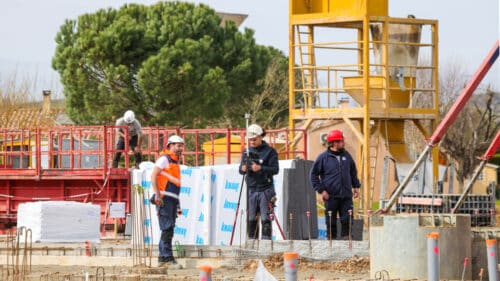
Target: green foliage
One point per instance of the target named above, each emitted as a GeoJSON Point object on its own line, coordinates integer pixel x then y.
{"type": "Point", "coordinates": [172, 63]}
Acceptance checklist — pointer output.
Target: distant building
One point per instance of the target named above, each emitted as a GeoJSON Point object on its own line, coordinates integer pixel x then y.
{"type": "Point", "coordinates": [236, 18]}
{"type": "Point", "coordinates": [36, 114]}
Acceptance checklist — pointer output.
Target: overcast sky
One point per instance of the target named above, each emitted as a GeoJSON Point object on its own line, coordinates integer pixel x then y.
{"type": "Point", "coordinates": [467, 30]}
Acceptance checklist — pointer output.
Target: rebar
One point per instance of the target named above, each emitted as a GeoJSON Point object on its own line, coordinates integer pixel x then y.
{"type": "Point", "coordinates": [350, 229]}
{"type": "Point", "coordinates": [100, 269]}
{"type": "Point", "coordinates": [308, 215]}
{"type": "Point", "coordinates": [241, 229]}
{"type": "Point", "coordinates": [290, 230]}
{"type": "Point", "coordinates": [330, 232]}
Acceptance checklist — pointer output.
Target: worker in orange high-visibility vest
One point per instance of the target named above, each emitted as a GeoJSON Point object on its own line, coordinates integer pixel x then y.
{"type": "Point", "coordinates": [166, 183]}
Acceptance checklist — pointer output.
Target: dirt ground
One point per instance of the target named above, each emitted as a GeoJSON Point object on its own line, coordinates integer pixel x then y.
{"type": "Point", "coordinates": [355, 268]}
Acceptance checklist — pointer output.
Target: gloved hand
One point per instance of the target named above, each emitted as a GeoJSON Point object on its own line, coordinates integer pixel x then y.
{"type": "Point", "coordinates": [156, 200]}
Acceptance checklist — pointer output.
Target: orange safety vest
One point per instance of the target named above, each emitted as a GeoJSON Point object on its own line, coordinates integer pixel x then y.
{"type": "Point", "coordinates": [170, 174]}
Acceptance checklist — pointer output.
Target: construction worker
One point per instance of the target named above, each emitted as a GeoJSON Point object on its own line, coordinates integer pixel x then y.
{"type": "Point", "coordinates": [259, 167]}
{"type": "Point", "coordinates": [334, 176]}
{"type": "Point", "coordinates": [166, 183]}
{"type": "Point", "coordinates": [134, 141]}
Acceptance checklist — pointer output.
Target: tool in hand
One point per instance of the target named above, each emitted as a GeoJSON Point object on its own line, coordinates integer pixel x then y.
{"type": "Point", "coordinates": [247, 118]}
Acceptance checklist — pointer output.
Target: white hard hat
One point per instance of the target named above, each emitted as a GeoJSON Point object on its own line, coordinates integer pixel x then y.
{"type": "Point", "coordinates": [254, 130]}
{"type": "Point", "coordinates": [175, 139]}
{"type": "Point", "coordinates": [129, 116]}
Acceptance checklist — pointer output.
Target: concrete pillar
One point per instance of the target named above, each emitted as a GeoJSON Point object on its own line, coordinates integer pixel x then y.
{"type": "Point", "coordinates": [291, 266]}
{"type": "Point", "coordinates": [491, 250]}
{"type": "Point", "coordinates": [410, 245]}
{"type": "Point", "coordinates": [205, 273]}
{"type": "Point", "coordinates": [432, 256]}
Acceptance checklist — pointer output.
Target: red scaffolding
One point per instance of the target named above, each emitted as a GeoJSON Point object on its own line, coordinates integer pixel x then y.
{"type": "Point", "coordinates": [74, 162]}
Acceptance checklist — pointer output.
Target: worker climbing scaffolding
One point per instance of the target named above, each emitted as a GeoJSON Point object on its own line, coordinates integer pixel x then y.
{"type": "Point", "coordinates": [134, 140]}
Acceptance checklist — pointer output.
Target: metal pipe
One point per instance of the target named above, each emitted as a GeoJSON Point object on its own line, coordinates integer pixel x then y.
{"type": "Point", "coordinates": [469, 187]}
{"type": "Point", "coordinates": [486, 157]}
{"type": "Point", "coordinates": [350, 229]}
{"type": "Point", "coordinates": [290, 233]}
{"type": "Point", "coordinates": [407, 179]}
{"type": "Point", "coordinates": [491, 250]}
{"type": "Point", "coordinates": [466, 262]}
{"type": "Point", "coordinates": [449, 118]}
{"type": "Point", "coordinates": [451, 178]}
{"type": "Point", "coordinates": [329, 233]}
{"type": "Point", "coordinates": [384, 178]}
{"type": "Point", "coordinates": [205, 273]}
{"type": "Point", "coordinates": [432, 256]}
{"type": "Point", "coordinates": [241, 229]}
{"type": "Point", "coordinates": [308, 215]}
{"type": "Point", "coordinates": [291, 266]}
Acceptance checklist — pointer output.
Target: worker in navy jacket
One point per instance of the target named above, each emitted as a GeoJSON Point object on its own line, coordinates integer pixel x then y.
{"type": "Point", "coordinates": [334, 176]}
{"type": "Point", "coordinates": [259, 166]}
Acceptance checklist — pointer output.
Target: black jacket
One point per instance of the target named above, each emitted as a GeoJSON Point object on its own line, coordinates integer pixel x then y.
{"type": "Point", "coordinates": [336, 177]}
{"type": "Point", "coordinates": [267, 158]}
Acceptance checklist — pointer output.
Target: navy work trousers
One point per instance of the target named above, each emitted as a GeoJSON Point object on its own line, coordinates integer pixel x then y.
{"type": "Point", "coordinates": [167, 214]}
{"type": "Point", "coordinates": [340, 206]}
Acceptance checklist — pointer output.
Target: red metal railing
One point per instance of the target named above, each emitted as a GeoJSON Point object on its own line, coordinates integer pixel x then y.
{"type": "Point", "coordinates": [58, 151]}
{"type": "Point", "coordinates": [218, 146]}
{"type": "Point", "coordinates": [88, 150]}
{"type": "Point", "coordinates": [74, 162]}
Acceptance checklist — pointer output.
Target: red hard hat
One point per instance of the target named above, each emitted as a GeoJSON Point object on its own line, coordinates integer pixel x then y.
{"type": "Point", "coordinates": [335, 135]}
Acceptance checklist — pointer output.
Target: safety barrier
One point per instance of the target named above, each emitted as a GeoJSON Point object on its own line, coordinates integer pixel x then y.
{"type": "Point", "coordinates": [58, 151]}
{"type": "Point", "coordinates": [75, 162]}
{"type": "Point", "coordinates": [89, 150]}
{"type": "Point", "coordinates": [480, 207]}
{"type": "Point", "coordinates": [219, 146]}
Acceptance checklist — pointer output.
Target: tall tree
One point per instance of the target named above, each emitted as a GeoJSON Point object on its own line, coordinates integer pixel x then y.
{"type": "Point", "coordinates": [472, 132]}
{"type": "Point", "coordinates": [172, 63]}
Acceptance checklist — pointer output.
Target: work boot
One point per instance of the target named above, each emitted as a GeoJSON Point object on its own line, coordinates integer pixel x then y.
{"type": "Point", "coordinates": [267, 230]}
{"type": "Point", "coordinates": [253, 230]}
{"type": "Point", "coordinates": [162, 261]}
{"type": "Point", "coordinates": [172, 263]}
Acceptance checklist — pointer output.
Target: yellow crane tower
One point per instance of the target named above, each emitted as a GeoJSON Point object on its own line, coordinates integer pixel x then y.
{"type": "Point", "coordinates": [352, 49]}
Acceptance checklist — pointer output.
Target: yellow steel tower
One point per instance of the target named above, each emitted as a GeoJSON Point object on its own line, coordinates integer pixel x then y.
{"type": "Point", "coordinates": [352, 49]}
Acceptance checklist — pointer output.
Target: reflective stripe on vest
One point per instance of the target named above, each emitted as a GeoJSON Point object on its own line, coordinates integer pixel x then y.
{"type": "Point", "coordinates": [170, 174]}
{"type": "Point", "coordinates": [169, 194]}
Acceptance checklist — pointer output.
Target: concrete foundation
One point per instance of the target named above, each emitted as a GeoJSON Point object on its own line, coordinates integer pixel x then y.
{"type": "Point", "coordinates": [105, 254]}
{"type": "Point", "coordinates": [398, 245]}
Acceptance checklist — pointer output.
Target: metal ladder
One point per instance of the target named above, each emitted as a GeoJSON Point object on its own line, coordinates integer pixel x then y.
{"type": "Point", "coordinates": [373, 162]}
{"type": "Point", "coordinates": [307, 61]}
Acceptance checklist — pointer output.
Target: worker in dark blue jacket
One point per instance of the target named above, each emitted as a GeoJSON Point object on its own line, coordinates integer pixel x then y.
{"type": "Point", "coordinates": [260, 167]}
{"type": "Point", "coordinates": [334, 176]}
